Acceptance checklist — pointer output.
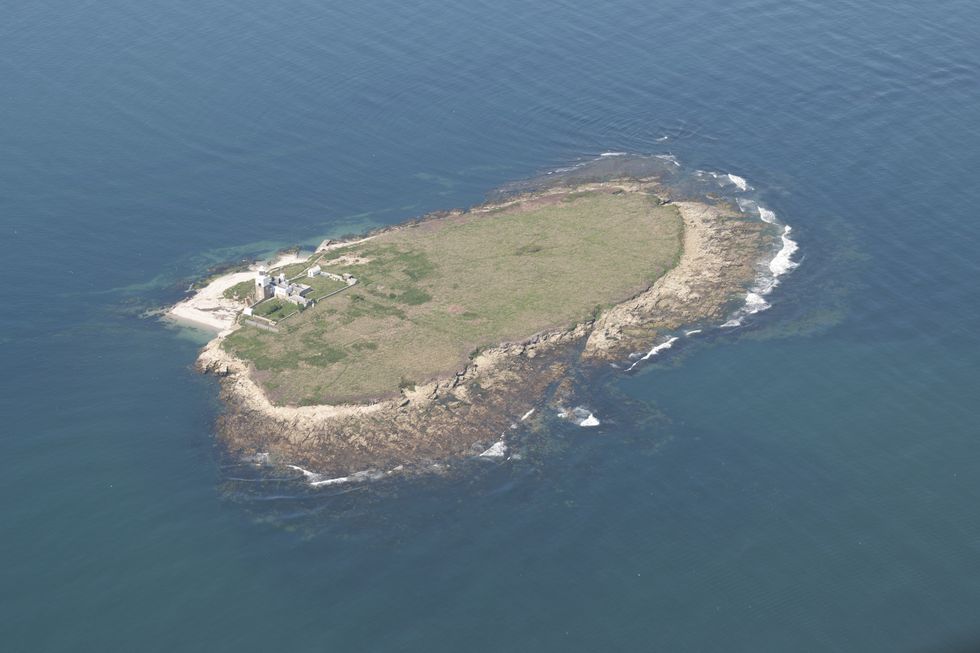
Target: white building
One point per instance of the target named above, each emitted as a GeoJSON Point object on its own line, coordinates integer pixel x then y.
{"type": "Point", "coordinates": [263, 285]}
{"type": "Point", "coordinates": [267, 286]}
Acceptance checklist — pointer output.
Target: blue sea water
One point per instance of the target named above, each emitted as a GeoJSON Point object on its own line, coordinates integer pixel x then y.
{"type": "Point", "coordinates": [805, 483]}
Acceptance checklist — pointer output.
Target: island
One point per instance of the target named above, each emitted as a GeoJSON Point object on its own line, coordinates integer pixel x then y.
{"type": "Point", "coordinates": [429, 341]}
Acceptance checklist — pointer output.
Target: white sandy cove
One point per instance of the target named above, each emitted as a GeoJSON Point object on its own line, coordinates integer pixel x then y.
{"type": "Point", "coordinates": [209, 308]}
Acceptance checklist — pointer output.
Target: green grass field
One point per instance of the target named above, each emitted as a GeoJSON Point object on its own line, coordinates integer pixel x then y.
{"type": "Point", "coordinates": [275, 309]}
{"type": "Point", "coordinates": [322, 286]}
{"type": "Point", "coordinates": [433, 293]}
{"type": "Point", "coordinates": [241, 290]}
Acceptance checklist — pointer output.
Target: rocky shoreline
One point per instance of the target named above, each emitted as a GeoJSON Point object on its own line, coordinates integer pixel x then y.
{"type": "Point", "coordinates": [471, 411]}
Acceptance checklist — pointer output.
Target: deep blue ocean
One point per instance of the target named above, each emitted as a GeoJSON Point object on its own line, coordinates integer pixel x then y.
{"type": "Point", "coordinates": [808, 482]}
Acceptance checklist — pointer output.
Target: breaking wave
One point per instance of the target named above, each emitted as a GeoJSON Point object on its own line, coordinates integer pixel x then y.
{"type": "Point", "coordinates": [709, 184]}
{"type": "Point", "coordinates": [654, 351]}
{"type": "Point", "coordinates": [585, 417]}
{"type": "Point", "coordinates": [780, 264]}
{"type": "Point", "coordinates": [783, 261]}
{"type": "Point", "coordinates": [497, 450]}
{"type": "Point", "coordinates": [739, 182]}
{"type": "Point", "coordinates": [318, 480]}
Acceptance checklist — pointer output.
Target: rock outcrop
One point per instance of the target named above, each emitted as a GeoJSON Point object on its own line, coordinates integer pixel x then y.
{"type": "Point", "coordinates": [471, 409]}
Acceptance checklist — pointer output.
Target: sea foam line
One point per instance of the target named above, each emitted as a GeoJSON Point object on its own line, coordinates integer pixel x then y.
{"type": "Point", "coordinates": [726, 178]}
{"type": "Point", "coordinates": [654, 351]}
{"type": "Point", "coordinates": [317, 480]}
{"type": "Point", "coordinates": [739, 182]}
{"type": "Point", "coordinates": [780, 264]}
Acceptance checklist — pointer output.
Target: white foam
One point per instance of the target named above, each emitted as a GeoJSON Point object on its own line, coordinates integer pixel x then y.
{"type": "Point", "coordinates": [668, 157]}
{"type": "Point", "coordinates": [767, 215]}
{"type": "Point", "coordinates": [738, 181]}
{"type": "Point", "coordinates": [527, 414]}
{"type": "Point", "coordinates": [585, 417]}
{"type": "Point", "coordinates": [744, 205]}
{"type": "Point", "coordinates": [356, 477]}
{"type": "Point", "coordinates": [654, 351]}
{"type": "Point", "coordinates": [331, 481]}
{"type": "Point", "coordinates": [307, 473]}
{"type": "Point", "coordinates": [692, 332]}
{"type": "Point", "coordinates": [591, 420]}
{"type": "Point", "coordinates": [316, 480]}
{"type": "Point", "coordinates": [558, 171]}
{"type": "Point", "coordinates": [724, 179]}
{"type": "Point", "coordinates": [779, 265]}
{"type": "Point", "coordinates": [783, 261]}
{"type": "Point", "coordinates": [613, 154]}
{"type": "Point", "coordinates": [498, 450]}
{"type": "Point", "coordinates": [755, 303]}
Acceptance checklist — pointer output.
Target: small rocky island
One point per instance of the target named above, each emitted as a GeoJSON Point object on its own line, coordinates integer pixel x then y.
{"type": "Point", "coordinates": [429, 341]}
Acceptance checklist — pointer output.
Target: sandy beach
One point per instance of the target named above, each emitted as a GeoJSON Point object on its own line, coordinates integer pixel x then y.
{"type": "Point", "coordinates": [210, 309]}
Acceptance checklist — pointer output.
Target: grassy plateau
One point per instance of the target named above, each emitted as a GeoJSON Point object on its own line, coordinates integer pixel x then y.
{"type": "Point", "coordinates": [430, 294]}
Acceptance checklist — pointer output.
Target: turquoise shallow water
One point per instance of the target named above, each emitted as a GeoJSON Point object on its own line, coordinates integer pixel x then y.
{"type": "Point", "coordinates": [805, 483]}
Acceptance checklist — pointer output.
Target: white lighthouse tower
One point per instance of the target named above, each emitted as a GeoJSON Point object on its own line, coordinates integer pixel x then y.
{"type": "Point", "coordinates": [263, 285]}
